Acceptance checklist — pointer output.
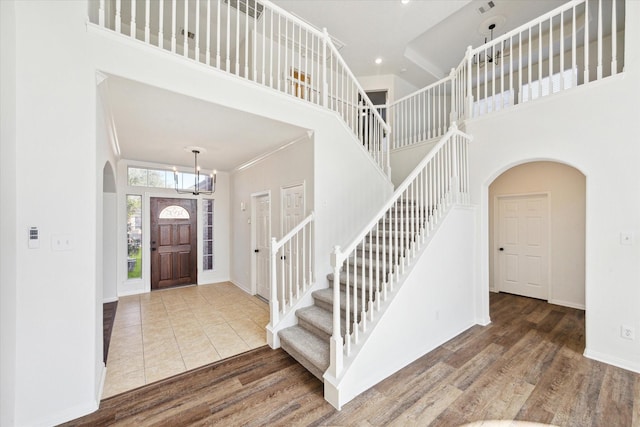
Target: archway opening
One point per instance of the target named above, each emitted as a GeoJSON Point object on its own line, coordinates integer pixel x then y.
{"type": "Point", "coordinates": [109, 295]}
{"type": "Point", "coordinates": [537, 226]}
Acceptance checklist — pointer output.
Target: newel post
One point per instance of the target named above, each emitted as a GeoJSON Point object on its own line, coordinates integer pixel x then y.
{"type": "Point", "coordinates": [453, 115]}
{"type": "Point", "coordinates": [455, 170]}
{"type": "Point", "coordinates": [325, 75]}
{"type": "Point", "coordinates": [101, 13]}
{"type": "Point", "coordinates": [273, 281]}
{"type": "Point", "coordinates": [336, 344]}
{"type": "Point", "coordinates": [469, 107]}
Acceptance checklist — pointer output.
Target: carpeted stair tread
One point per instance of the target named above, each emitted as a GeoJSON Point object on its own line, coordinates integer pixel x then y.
{"type": "Point", "coordinates": [318, 317]}
{"type": "Point", "coordinates": [325, 298]}
{"type": "Point", "coordinates": [308, 349]}
{"type": "Point", "coordinates": [343, 282]}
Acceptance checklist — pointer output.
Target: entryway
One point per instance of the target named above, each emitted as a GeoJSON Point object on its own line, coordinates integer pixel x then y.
{"type": "Point", "coordinates": [161, 334]}
{"type": "Point", "coordinates": [173, 242]}
{"type": "Point", "coordinates": [537, 228]}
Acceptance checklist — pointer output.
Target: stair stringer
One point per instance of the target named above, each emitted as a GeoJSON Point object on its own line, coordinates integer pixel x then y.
{"type": "Point", "coordinates": [432, 304]}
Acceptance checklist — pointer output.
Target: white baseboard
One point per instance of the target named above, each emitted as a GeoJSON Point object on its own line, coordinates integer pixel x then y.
{"type": "Point", "coordinates": [247, 289]}
{"type": "Point", "coordinates": [103, 378]}
{"type": "Point", "coordinates": [629, 365]}
{"type": "Point", "coordinates": [67, 414]}
{"type": "Point", "coordinates": [108, 300]}
{"type": "Point", "coordinates": [484, 321]}
{"type": "Point", "coordinates": [132, 292]}
{"type": "Point", "coordinates": [567, 304]}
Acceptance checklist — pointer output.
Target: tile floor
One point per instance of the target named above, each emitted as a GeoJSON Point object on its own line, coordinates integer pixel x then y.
{"type": "Point", "coordinates": [164, 333]}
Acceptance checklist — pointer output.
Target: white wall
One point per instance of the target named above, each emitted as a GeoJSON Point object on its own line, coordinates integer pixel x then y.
{"type": "Point", "coordinates": [433, 305]}
{"type": "Point", "coordinates": [56, 356]}
{"type": "Point", "coordinates": [404, 160]}
{"type": "Point", "coordinates": [8, 214]}
{"type": "Point", "coordinates": [109, 247]}
{"type": "Point", "coordinates": [565, 187]}
{"type": "Point", "coordinates": [593, 129]}
{"type": "Point", "coordinates": [106, 188]}
{"type": "Point", "coordinates": [292, 165]}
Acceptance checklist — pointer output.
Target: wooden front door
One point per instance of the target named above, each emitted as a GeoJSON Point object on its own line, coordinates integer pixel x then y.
{"type": "Point", "coordinates": [173, 242]}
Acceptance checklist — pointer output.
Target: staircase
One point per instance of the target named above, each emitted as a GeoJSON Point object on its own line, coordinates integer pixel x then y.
{"type": "Point", "coordinates": [335, 334]}
{"type": "Point", "coordinates": [308, 341]}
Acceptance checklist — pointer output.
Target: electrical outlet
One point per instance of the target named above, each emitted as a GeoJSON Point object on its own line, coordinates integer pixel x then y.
{"type": "Point", "coordinates": [627, 332]}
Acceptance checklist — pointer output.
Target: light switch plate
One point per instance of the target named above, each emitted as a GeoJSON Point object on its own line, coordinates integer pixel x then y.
{"type": "Point", "coordinates": [62, 242]}
{"type": "Point", "coordinates": [626, 238]}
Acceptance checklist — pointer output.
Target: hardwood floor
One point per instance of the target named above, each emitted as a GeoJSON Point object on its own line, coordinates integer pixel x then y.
{"type": "Point", "coordinates": [527, 365]}
{"type": "Point", "coordinates": [108, 316]}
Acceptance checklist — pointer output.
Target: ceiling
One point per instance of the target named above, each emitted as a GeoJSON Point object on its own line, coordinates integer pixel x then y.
{"type": "Point", "coordinates": [419, 41]}
{"type": "Point", "coordinates": [155, 125]}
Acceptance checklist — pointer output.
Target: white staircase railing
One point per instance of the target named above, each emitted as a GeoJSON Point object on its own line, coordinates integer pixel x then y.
{"type": "Point", "coordinates": [572, 45]}
{"type": "Point", "coordinates": [257, 41]}
{"type": "Point", "coordinates": [542, 57]}
{"type": "Point", "coordinates": [390, 241]}
{"type": "Point", "coordinates": [292, 265]}
{"type": "Point", "coordinates": [422, 115]}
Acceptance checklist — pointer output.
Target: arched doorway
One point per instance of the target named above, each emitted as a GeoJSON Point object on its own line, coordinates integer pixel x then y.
{"type": "Point", "coordinates": [108, 294]}
{"type": "Point", "coordinates": [109, 233]}
{"type": "Point", "coordinates": [537, 232]}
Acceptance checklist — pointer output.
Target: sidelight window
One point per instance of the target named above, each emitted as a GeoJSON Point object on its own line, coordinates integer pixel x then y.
{"type": "Point", "coordinates": [207, 237]}
{"type": "Point", "coordinates": [134, 236]}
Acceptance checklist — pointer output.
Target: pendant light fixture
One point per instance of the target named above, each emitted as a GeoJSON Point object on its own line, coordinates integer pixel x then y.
{"type": "Point", "coordinates": [491, 55]}
{"type": "Point", "coordinates": [208, 184]}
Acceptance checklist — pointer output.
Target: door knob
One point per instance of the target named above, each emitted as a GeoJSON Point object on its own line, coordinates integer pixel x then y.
{"type": "Point", "coordinates": [501, 249]}
{"type": "Point", "coordinates": [256, 250]}
{"type": "Point", "coordinates": [153, 249]}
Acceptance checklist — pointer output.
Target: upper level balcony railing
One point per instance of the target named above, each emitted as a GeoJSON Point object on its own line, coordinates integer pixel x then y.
{"type": "Point", "coordinates": [580, 42]}
{"type": "Point", "coordinates": [257, 41]}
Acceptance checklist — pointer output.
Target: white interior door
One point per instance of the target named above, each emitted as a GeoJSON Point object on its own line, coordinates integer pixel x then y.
{"type": "Point", "coordinates": [292, 207]}
{"type": "Point", "coordinates": [293, 211]}
{"type": "Point", "coordinates": [523, 247]}
{"type": "Point", "coordinates": [262, 221]}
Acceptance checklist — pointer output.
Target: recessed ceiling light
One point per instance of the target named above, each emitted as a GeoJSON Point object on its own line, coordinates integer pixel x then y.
{"type": "Point", "coordinates": [404, 1]}
{"type": "Point", "coordinates": [378, 61]}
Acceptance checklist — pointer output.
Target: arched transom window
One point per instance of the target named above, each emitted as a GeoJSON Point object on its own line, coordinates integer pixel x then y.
{"type": "Point", "coordinates": [174, 212]}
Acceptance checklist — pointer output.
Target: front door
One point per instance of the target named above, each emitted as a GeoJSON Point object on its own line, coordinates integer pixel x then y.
{"type": "Point", "coordinates": [522, 250]}
{"type": "Point", "coordinates": [173, 242]}
{"type": "Point", "coordinates": [263, 246]}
